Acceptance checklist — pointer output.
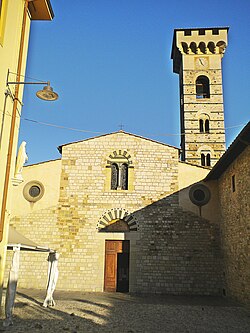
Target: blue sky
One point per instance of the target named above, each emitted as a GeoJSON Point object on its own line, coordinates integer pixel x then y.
{"type": "Point", "coordinates": [109, 60]}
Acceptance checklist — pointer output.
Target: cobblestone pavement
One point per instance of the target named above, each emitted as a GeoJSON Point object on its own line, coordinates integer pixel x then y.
{"type": "Point", "coordinates": [114, 312]}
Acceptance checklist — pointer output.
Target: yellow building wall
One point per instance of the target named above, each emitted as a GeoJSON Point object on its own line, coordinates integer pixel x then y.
{"type": "Point", "coordinates": [49, 174]}
{"type": "Point", "coordinates": [10, 34]}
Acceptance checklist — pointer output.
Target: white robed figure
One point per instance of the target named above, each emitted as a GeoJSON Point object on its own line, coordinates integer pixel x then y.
{"type": "Point", "coordinates": [22, 158]}
{"type": "Point", "coordinates": [11, 288]}
{"type": "Point", "coordinates": [52, 278]}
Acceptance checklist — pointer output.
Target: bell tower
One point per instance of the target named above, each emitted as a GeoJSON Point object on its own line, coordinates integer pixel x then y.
{"type": "Point", "coordinates": [197, 55]}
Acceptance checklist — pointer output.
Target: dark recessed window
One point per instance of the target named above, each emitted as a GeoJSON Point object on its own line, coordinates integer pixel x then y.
{"type": "Point", "coordinates": [114, 176]}
{"type": "Point", "coordinates": [187, 33]}
{"type": "Point", "coordinates": [215, 31]}
{"type": "Point", "coordinates": [199, 195]}
{"type": "Point", "coordinates": [201, 123]}
{"type": "Point", "coordinates": [208, 160]}
{"type": "Point", "coordinates": [202, 87]}
{"type": "Point", "coordinates": [207, 126]}
{"type": "Point", "coordinates": [119, 176]}
{"type": "Point", "coordinates": [233, 183]}
{"type": "Point", "coordinates": [202, 32]}
{"type": "Point", "coordinates": [34, 191]}
{"type": "Point", "coordinates": [203, 160]}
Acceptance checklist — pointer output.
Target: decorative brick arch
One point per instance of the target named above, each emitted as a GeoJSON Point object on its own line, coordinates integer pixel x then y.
{"type": "Point", "coordinates": [120, 154]}
{"type": "Point", "coordinates": [116, 214]}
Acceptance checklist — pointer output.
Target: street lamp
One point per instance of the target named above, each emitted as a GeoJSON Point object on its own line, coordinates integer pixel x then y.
{"type": "Point", "coordinates": [46, 94]}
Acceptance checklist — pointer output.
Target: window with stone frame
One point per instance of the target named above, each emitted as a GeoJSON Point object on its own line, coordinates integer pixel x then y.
{"type": "Point", "coordinates": [201, 125]}
{"type": "Point", "coordinates": [208, 160]}
{"type": "Point", "coordinates": [207, 126]}
{"type": "Point", "coordinates": [205, 159]}
{"type": "Point", "coordinates": [120, 165]}
{"type": "Point", "coordinates": [202, 87]}
{"type": "Point", "coordinates": [119, 176]}
{"type": "Point", "coordinates": [124, 176]}
{"type": "Point", "coordinates": [114, 176]}
{"type": "Point", "coordinates": [204, 123]}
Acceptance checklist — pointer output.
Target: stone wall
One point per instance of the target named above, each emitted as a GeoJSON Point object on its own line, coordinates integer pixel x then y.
{"type": "Point", "coordinates": [193, 109]}
{"type": "Point", "coordinates": [171, 250]}
{"type": "Point", "coordinates": [235, 227]}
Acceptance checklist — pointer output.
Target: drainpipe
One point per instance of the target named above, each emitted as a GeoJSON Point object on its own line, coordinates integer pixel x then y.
{"type": "Point", "coordinates": [10, 147]}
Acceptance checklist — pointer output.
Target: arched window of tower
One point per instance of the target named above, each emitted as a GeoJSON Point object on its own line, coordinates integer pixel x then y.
{"type": "Point", "coordinates": [201, 123]}
{"type": "Point", "coordinates": [206, 126]}
{"type": "Point", "coordinates": [203, 160]}
{"type": "Point", "coordinates": [203, 119]}
{"type": "Point", "coordinates": [208, 160]}
{"type": "Point", "coordinates": [202, 87]}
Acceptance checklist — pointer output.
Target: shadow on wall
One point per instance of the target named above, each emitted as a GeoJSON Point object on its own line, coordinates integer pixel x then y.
{"type": "Point", "coordinates": [178, 252]}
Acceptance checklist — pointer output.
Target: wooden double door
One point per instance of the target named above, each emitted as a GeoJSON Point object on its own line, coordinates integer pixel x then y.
{"type": "Point", "coordinates": [116, 277]}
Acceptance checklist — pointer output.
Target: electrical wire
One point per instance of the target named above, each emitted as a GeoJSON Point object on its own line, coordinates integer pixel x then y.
{"type": "Point", "coordinates": [98, 132]}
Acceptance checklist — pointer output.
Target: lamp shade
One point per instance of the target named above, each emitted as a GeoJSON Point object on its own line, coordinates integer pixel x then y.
{"type": "Point", "coordinates": [47, 93]}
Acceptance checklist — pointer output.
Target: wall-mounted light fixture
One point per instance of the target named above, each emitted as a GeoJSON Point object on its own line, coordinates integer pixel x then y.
{"type": "Point", "coordinates": [46, 94]}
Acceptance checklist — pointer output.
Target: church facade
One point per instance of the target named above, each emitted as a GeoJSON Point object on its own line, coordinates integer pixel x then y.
{"type": "Point", "coordinates": [126, 214]}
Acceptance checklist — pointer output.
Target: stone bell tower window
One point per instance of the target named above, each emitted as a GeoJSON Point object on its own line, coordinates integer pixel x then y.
{"type": "Point", "coordinates": [206, 126]}
{"type": "Point", "coordinates": [206, 159]}
{"type": "Point", "coordinates": [202, 87]}
{"type": "Point", "coordinates": [201, 125]}
{"type": "Point", "coordinates": [203, 160]}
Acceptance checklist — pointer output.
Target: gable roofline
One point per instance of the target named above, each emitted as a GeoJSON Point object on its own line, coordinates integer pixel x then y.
{"type": "Point", "coordinates": [112, 133]}
{"type": "Point", "coordinates": [240, 143]}
{"type": "Point", "coordinates": [42, 162]}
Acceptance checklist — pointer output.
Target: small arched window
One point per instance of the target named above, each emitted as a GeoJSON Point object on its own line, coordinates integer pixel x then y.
{"type": "Point", "coordinates": [119, 176]}
{"type": "Point", "coordinates": [201, 123]}
{"type": "Point", "coordinates": [207, 126]}
{"type": "Point", "coordinates": [208, 160]}
{"type": "Point", "coordinates": [114, 176]}
{"type": "Point", "coordinates": [203, 160]}
{"type": "Point", "coordinates": [202, 87]}
{"type": "Point", "coordinates": [124, 176]}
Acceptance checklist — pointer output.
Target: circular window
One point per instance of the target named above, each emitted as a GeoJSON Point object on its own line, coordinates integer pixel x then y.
{"type": "Point", "coordinates": [199, 194]}
{"type": "Point", "coordinates": [33, 191]}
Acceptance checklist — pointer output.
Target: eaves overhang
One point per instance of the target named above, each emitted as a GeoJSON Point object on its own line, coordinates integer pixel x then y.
{"type": "Point", "coordinates": [40, 10]}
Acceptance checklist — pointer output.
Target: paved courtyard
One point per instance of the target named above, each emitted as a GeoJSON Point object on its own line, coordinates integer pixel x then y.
{"type": "Point", "coordinates": [115, 312]}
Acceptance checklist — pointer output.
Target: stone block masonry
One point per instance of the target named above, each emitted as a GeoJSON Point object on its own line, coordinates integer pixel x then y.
{"type": "Point", "coordinates": [171, 250]}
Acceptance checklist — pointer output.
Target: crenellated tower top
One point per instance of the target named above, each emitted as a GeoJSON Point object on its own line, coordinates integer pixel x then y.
{"type": "Point", "coordinates": [197, 55]}
{"type": "Point", "coordinates": [198, 41]}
